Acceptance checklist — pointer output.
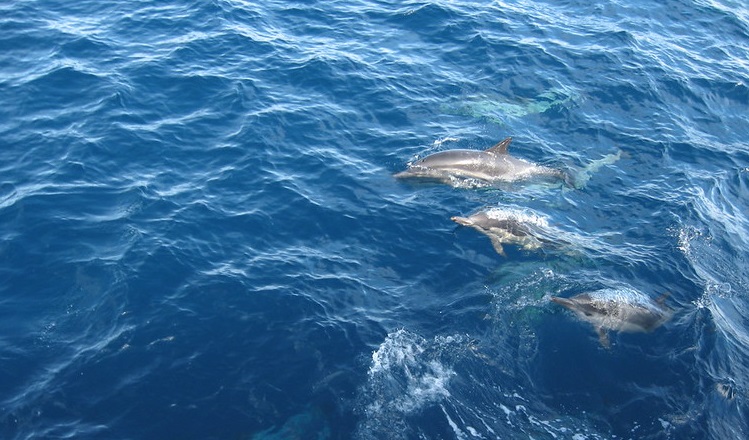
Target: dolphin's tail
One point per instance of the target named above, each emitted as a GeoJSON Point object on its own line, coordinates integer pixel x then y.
{"type": "Point", "coordinates": [579, 179]}
{"type": "Point", "coordinates": [570, 180]}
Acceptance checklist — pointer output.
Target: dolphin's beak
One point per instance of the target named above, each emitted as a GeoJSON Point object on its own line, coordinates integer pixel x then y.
{"type": "Point", "coordinates": [406, 174]}
{"type": "Point", "coordinates": [462, 221]}
{"type": "Point", "coordinates": [562, 301]}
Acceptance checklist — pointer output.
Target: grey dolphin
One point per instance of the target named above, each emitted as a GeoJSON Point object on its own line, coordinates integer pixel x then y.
{"type": "Point", "coordinates": [507, 227]}
{"type": "Point", "coordinates": [492, 166]}
{"type": "Point", "coordinates": [623, 310]}
{"type": "Point", "coordinates": [499, 109]}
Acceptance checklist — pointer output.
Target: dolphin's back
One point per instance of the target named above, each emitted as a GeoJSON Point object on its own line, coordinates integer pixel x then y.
{"type": "Point", "coordinates": [512, 226]}
{"type": "Point", "coordinates": [620, 309]}
{"type": "Point", "coordinates": [647, 319]}
{"type": "Point", "coordinates": [493, 165]}
{"type": "Point", "coordinates": [453, 158]}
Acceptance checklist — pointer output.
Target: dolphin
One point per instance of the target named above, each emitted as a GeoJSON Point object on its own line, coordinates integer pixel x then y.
{"type": "Point", "coordinates": [507, 227]}
{"type": "Point", "coordinates": [500, 110]}
{"type": "Point", "coordinates": [491, 166]}
{"type": "Point", "coordinates": [623, 310]}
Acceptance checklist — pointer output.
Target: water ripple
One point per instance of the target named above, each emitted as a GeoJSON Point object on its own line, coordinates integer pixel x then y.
{"type": "Point", "coordinates": [199, 218]}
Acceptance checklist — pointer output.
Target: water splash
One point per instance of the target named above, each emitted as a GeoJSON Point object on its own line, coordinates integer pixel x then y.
{"type": "Point", "coordinates": [407, 374]}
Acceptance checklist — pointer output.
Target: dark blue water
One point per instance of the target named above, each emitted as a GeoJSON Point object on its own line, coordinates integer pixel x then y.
{"type": "Point", "coordinates": [201, 237]}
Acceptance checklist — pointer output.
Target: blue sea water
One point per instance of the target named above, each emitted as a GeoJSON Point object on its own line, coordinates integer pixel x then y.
{"type": "Point", "coordinates": [201, 236]}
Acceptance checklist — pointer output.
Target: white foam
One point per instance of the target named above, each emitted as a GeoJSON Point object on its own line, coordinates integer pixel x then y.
{"type": "Point", "coordinates": [518, 214]}
{"type": "Point", "coordinates": [398, 349]}
{"type": "Point", "coordinates": [439, 142]}
{"type": "Point", "coordinates": [460, 435]}
{"type": "Point", "coordinates": [410, 374]}
{"type": "Point", "coordinates": [685, 237]}
{"type": "Point", "coordinates": [624, 295]}
{"type": "Point", "coordinates": [403, 377]}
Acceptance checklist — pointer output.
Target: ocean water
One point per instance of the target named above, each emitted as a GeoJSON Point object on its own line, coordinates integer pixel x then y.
{"type": "Point", "coordinates": [201, 236]}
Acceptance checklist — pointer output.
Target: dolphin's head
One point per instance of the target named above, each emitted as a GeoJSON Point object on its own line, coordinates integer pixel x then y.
{"type": "Point", "coordinates": [444, 164]}
{"type": "Point", "coordinates": [464, 221]}
{"type": "Point", "coordinates": [478, 220]}
{"type": "Point", "coordinates": [485, 223]}
{"type": "Point", "coordinates": [452, 159]}
{"type": "Point", "coordinates": [582, 305]}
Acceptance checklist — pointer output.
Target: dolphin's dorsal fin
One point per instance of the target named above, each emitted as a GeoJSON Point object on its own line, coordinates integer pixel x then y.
{"type": "Point", "coordinates": [500, 148]}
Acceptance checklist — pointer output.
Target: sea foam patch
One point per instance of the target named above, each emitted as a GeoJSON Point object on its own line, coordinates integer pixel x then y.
{"type": "Point", "coordinates": [407, 374]}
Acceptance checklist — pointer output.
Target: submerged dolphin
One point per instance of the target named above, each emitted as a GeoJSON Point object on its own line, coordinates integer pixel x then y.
{"type": "Point", "coordinates": [500, 110]}
{"type": "Point", "coordinates": [622, 310]}
{"type": "Point", "coordinates": [508, 227]}
{"type": "Point", "coordinates": [491, 166]}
